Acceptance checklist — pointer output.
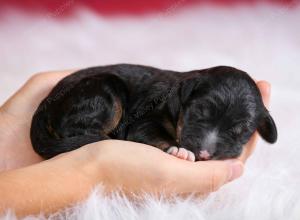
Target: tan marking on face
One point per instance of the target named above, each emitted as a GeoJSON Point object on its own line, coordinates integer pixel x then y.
{"type": "Point", "coordinates": [117, 108]}
{"type": "Point", "coordinates": [169, 127]}
{"type": "Point", "coordinates": [179, 127]}
{"type": "Point", "coordinates": [162, 145]}
{"type": "Point", "coordinates": [52, 131]}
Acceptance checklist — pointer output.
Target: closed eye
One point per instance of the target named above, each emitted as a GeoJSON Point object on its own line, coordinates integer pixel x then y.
{"type": "Point", "coordinates": [239, 128]}
{"type": "Point", "coordinates": [236, 129]}
{"type": "Point", "coordinates": [204, 111]}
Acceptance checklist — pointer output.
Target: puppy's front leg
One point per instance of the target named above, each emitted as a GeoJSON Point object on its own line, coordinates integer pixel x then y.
{"type": "Point", "coordinates": [152, 132]}
{"type": "Point", "coordinates": [181, 153]}
{"type": "Point", "coordinates": [156, 133]}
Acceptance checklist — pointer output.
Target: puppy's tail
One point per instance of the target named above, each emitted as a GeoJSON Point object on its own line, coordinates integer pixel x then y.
{"type": "Point", "coordinates": [48, 146]}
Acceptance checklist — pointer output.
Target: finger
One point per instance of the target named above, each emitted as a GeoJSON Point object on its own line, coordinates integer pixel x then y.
{"type": "Point", "coordinates": [249, 147]}
{"type": "Point", "coordinates": [24, 102]}
{"type": "Point", "coordinates": [265, 90]}
{"type": "Point", "coordinates": [166, 173]}
{"type": "Point", "coordinates": [202, 177]}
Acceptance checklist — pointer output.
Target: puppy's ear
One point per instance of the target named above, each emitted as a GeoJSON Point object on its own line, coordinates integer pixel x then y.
{"type": "Point", "coordinates": [186, 90]}
{"type": "Point", "coordinates": [267, 128]}
{"type": "Point", "coordinates": [174, 102]}
{"type": "Point", "coordinates": [180, 94]}
{"type": "Point", "coordinates": [187, 87]}
{"type": "Point", "coordinates": [193, 85]}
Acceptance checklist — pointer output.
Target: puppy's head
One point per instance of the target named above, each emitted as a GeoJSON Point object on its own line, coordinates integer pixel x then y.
{"type": "Point", "coordinates": [220, 109]}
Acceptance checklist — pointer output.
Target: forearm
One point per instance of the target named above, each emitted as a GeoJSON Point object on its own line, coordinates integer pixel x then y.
{"type": "Point", "coordinates": [14, 158]}
{"type": "Point", "coordinates": [47, 186]}
{"type": "Point", "coordinates": [15, 149]}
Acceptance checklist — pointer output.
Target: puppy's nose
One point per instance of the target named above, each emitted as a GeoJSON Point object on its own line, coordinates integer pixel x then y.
{"type": "Point", "coordinates": [204, 155]}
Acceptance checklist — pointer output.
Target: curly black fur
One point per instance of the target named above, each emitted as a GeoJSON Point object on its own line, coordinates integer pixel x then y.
{"type": "Point", "coordinates": [215, 109]}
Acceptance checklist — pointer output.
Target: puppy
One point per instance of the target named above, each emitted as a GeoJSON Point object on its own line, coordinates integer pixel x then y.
{"type": "Point", "coordinates": [196, 115]}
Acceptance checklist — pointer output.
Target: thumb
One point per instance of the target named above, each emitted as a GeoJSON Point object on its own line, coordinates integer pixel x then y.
{"type": "Point", "coordinates": [206, 176]}
{"type": "Point", "coordinates": [25, 101]}
{"type": "Point", "coordinates": [215, 174]}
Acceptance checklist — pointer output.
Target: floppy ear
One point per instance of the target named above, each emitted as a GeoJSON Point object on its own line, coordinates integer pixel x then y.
{"type": "Point", "coordinates": [180, 95]}
{"type": "Point", "coordinates": [191, 85]}
{"type": "Point", "coordinates": [267, 129]}
{"type": "Point", "coordinates": [187, 87]}
{"type": "Point", "coordinates": [174, 105]}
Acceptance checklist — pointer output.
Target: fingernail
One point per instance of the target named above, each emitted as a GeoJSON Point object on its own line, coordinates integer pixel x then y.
{"type": "Point", "coordinates": [236, 168]}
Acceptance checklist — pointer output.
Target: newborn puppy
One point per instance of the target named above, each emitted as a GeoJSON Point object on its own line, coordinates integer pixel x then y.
{"type": "Point", "coordinates": [195, 115]}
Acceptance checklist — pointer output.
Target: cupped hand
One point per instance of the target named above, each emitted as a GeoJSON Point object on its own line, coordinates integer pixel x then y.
{"type": "Point", "coordinates": [15, 120]}
{"type": "Point", "coordinates": [117, 164]}
{"type": "Point", "coordinates": [137, 167]}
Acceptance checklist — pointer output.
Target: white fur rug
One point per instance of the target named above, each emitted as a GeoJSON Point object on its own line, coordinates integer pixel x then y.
{"type": "Point", "coordinates": [264, 41]}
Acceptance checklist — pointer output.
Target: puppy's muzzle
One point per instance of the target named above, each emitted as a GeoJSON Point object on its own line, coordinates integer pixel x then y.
{"type": "Point", "coordinates": [208, 147]}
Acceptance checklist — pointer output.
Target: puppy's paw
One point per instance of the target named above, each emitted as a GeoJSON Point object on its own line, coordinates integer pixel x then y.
{"type": "Point", "coordinates": [181, 153]}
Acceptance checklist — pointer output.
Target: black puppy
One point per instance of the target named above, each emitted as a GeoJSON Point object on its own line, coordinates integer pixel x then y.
{"type": "Point", "coordinates": [200, 114]}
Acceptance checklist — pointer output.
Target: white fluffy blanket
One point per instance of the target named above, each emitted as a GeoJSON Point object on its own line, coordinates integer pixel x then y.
{"type": "Point", "coordinates": [263, 40]}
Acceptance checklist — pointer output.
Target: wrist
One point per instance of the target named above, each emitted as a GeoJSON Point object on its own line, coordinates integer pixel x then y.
{"type": "Point", "coordinates": [102, 165]}
{"type": "Point", "coordinates": [86, 162]}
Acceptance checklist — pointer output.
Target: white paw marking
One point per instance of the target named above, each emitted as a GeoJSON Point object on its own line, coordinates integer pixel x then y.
{"type": "Point", "coordinates": [191, 156]}
{"type": "Point", "coordinates": [181, 153]}
{"type": "Point", "coordinates": [173, 150]}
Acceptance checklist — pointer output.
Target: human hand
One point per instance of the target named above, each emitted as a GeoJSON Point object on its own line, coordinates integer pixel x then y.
{"type": "Point", "coordinates": [176, 175]}
{"type": "Point", "coordinates": [15, 120]}
{"type": "Point", "coordinates": [265, 90]}
{"type": "Point", "coordinates": [132, 167]}
{"type": "Point", "coordinates": [137, 167]}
